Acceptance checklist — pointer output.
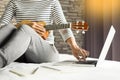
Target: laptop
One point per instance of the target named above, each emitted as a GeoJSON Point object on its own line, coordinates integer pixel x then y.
{"type": "Point", "coordinates": [102, 56]}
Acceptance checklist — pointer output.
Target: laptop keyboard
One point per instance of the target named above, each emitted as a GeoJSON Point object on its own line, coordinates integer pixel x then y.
{"type": "Point", "coordinates": [94, 62]}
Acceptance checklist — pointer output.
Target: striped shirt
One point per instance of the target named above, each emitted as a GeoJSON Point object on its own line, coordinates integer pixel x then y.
{"type": "Point", "coordinates": [37, 10]}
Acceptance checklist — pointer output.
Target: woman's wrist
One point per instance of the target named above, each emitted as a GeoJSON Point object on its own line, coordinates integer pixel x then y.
{"type": "Point", "coordinates": [72, 43]}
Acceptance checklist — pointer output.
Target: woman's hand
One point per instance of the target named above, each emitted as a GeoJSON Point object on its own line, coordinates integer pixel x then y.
{"type": "Point", "coordinates": [39, 28]}
{"type": "Point", "coordinates": [78, 52]}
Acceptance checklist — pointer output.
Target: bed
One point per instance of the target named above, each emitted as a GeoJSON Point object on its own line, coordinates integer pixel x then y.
{"type": "Point", "coordinates": [46, 71]}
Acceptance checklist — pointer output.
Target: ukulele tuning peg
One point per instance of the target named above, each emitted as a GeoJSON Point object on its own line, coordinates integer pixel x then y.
{"type": "Point", "coordinates": [83, 22]}
{"type": "Point", "coordinates": [77, 21]}
{"type": "Point", "coordinates": [77, 31]}
{"type": "Point", "coordinates": [83, 32]}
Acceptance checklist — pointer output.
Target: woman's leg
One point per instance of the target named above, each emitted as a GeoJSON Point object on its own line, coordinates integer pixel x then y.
{"type": "Point", "coordinates": [16, 47]}
{"type": "Point", "coordinates": [5, 32]}
{"type": "Point", "coordinates": [39, 50]}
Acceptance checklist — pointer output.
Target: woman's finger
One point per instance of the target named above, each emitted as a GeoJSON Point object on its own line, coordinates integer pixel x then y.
{"type": "Point", "coordinates": [38, 26]}
{"type": "Point", "coordinates": [86, 52]}
{"type": "Point", "coordinates": [39, 29]}
{"type": "Point", "coordinates": [82, 54]}
{"type": "Point", "coordinates": [39, 32]}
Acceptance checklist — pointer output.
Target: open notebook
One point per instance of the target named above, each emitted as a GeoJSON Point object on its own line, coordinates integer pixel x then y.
{"type": "Point", "coordinates": [102, 56]}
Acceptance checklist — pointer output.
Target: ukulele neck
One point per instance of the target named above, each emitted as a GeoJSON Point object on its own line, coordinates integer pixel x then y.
{"type": "Point", "coordinates": [57, 26]}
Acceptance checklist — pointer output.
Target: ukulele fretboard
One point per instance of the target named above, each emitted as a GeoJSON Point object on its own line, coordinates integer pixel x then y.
{"type": "Point", "coordinates": [57, 26]}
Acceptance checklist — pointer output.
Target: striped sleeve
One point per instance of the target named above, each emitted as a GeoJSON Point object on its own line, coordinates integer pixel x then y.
{"type": "Point", "coordinates": [8, 13]}
{"type": "Point", "coordinates": [59, 18]}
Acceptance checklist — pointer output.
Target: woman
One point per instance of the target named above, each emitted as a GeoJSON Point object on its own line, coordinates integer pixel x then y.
{"type": "Point", "coordinates": [26, 39]}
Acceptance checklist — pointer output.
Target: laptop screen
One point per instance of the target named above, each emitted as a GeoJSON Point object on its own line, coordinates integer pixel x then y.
{"type": "Point", "coordinates": [106, 46]}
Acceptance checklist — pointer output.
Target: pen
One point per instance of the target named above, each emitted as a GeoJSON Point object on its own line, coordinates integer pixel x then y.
{"type": "Point", "coordinates": [14, 72]}
{"type": "Point", "coordinates": [33, 72]}
{"type": "Point", "coordinates": [51, 68]}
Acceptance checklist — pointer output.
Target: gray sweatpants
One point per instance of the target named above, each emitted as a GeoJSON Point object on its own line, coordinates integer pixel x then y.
{"type": "Point", "coordinates": [26, 40]}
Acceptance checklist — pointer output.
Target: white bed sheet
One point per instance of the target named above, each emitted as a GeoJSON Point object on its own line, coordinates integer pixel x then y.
{"type": "Point", "coordinates": [26, 71]}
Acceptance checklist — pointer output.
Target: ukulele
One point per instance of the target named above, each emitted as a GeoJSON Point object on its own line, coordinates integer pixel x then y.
{"type": "Point", "coordinates": [74, 25]}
